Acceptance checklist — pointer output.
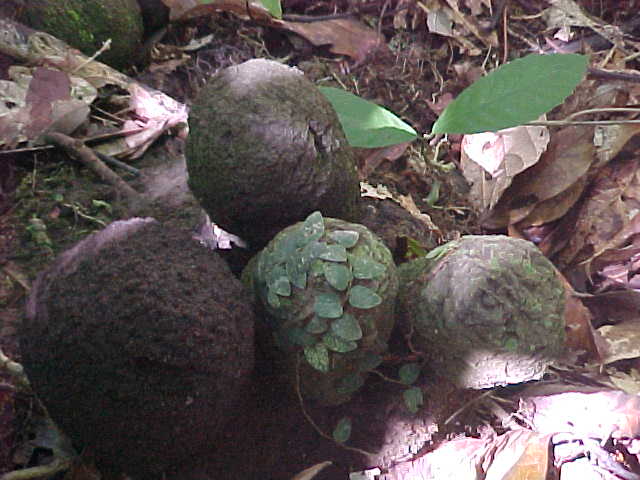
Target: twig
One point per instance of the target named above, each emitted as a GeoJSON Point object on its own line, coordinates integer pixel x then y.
{"type": "Point", "coordinates": [314, 424]}
{"type": "Point", "coordinates": [467, 405]}
{"type": "Point", "coordinates": [105, 46]}
{"type": "Point", "coordinates": [78, 150]}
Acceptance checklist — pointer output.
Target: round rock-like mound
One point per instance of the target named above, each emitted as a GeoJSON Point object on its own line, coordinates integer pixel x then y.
{"type": "Point", "coordinates": [488, 310]}
{"type": "Point", "coordinates": [139, 341]}
{"type": "Point", "coordinates": [266, 149]}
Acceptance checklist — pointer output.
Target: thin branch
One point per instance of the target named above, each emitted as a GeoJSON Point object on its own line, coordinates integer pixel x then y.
{"type": "Point", "coordinates": [314, 424]}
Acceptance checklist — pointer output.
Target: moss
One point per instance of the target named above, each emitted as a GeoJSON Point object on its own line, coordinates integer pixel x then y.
{"type": "Point", "coordinates": [489, 310]}
{"type": "Point", "coordinates": [266, 149]}
{"type": "Point", "coordinates": [139, 345]}
{"type": "Point", "coordinates": [56, 206]}
{"type": "Point", "coordinates": [86, 24]}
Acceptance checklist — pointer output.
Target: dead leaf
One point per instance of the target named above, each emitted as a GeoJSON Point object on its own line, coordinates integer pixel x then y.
{"type": "Point", "coordinates": [345, 36]}
{"type": "Point", "coordinates": [578, 326]}
{"type": "Point", "coordinates": [551, 209]}
{"type": "Point", "coordinates": [606, 219]}
{"type": "Point", "coordinates": [598, 415]}
{"type": "Point", "coordinates": [502, 155]}
{"type": "Point", "coordinates": [370, 158]}
{"type": "Point", "coordinates": [623, 340]}
{"type": "Point", "coordinates": [568, 158]}
{"type": "Point", "coordinates": [611, 139]}
{"type": "Point", "coordinates": [181, 10]}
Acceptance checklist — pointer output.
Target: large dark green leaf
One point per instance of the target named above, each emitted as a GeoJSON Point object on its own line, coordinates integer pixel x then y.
{"type": "Point", "coordinates": [366, 124]}
{"type": "Point", "coordinates": [517, 92]}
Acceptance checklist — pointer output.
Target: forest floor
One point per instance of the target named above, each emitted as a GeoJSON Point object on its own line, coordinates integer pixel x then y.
{"type": "Point", "coordinates": [401, 55]}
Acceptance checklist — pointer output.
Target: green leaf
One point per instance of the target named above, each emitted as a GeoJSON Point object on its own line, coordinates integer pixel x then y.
{"type": "Point", "coordinates": [370, 361]}
{"type": "Point", "coordinates": [439, 252]}
{"type": "Point", "coordinates": [318, 357]}
{"type": "Point", "coordinates": [366, 268]}
{"type": "Point", "coordinates": [281, 286]}
{"type": "Point", "coordinates": [317, 325]}
{"type": "Point", "coordinates": [363, 297]}
{"type": "Point", "coordinates": [346, 238]}
{"type": "Point", "coordinates": [342, 432]}
{"type": "Point", "coordinates": [334, 253]}
{"type": "Point", "coordinates": [414, 248]}
{"type": "Point", "coordinates": [337, 275]}
{"type": "Point", "coordinates": [347, 328]}
{"type": "Point", "coordinates": [273, 7]}
{"type": "Point", "coordinates": [409, 373]}
{"type": "Point", "coordinates": [296, 271]}
{"type": "Point", "coordinates": [366, 124]}
{"type": "Point", "coordinates": [312, 228]}
{"type": "Point", "coordinates": [517, 92]}
{"type": "Point", "coordinates": [349, 384]}
{"type": "Point", "coordinates": [413, 399]}
{"type": "Point", "coordinates": [327, 305]}
{"type": "Point", "coordinates": [337, 344]}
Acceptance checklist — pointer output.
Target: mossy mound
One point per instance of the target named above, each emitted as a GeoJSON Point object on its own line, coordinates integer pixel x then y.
{"type": "Point", "coordinates": [139, 341]}
{"type": "Point", "coordinates": [488, 310]}
{"type": "Point", "coordinates": [87, 24]}
{"type": "Point", "coordinates": [266, 149]}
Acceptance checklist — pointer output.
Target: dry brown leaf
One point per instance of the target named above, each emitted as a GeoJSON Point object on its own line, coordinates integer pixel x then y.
{"type": "Point", "coordinates": [623, 340]}
{"type": "Point", "coordinates": [600, 414]}
{"type": "Point", "coordinates": [606, 219]}
{"type": "Point", "coordinates": [370, 158]}
{"type": "Point", "coordinates": [579, 330]}
{"type": "Point", "coordinates": [502, 155]}
{"type": "Point", "coordinates": [568, 158]}
{"type": "Point", "coordinates": [611, 139]}
{"type": "Point", "coordinates": [180, 10]}
{"type": "Point", "coordinates": [551, 209]}
{"type": "Point", "coordinates": [534, 463]}
{"type": "Point", "coordinates": [345, 36]}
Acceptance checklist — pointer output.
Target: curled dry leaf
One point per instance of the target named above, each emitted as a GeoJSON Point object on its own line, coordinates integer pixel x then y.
{"type": "Point", "coordinates": [502, 155]}
{"type": "Point", "coordinates": [345, 36]}
{"type": "Point", "coordinates": [568, 158]}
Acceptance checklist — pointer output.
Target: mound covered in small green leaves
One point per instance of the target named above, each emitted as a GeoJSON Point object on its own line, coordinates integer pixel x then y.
{"type": "Point", "coordinates": [328, 288]}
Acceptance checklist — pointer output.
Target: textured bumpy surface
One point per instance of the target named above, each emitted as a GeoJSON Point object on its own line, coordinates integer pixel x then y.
{"type": "Point", "coordinates": [87, 24]}
{"type": "Point", "coordinates": [489, 311]}
{"type": "Point", "coordinates": [139, 342]}
{"type": "Point", "coordinates": [266, 149]}
{"type": "Point", "coordinates": [329, 289]}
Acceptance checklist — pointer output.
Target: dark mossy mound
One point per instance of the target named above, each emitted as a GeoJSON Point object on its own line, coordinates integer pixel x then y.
{"type": "Point", "coordinates": [87, 24]}
{"type": "Point", "coordinates": [266, 149]}
{"type": "Point", "coordinates": [139, 341]}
